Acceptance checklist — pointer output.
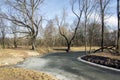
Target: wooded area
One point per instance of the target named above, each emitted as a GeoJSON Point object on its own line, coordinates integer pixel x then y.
{"type": "Point", "coordinates": [22, 25]}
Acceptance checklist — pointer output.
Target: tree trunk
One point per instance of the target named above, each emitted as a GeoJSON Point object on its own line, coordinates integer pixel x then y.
{"type": "Point", "coordinates": [119, 45]}
{"type": "Point", "coordinates": [102, 22]}
{"type": "Point", "coordinates": [91, 42]}
{"type": "Point", "coordinates": [15, 44]}
{"type": "Point", "coordinates": [3, 39]}
{"type": "Point", "coordinates": [85, 33]}
{"type": "Point", "coordinates": [102, 41]}
{"type": "Point", "coordinates": [118, 34]}
{"type": "Point", "coordinates": [3, 44]}
{"type": "Point", "coordinates": [68, 47]}
{"type": "Point", "coordinates": [15, 41]}
{"type": "Point", "coordinates": [33, 43]}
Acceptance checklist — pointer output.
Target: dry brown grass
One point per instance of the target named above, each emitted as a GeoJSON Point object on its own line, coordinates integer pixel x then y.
{"type": "Point", "coordinates": [23, 74]}
{"type": "Point", "coordinates": [109, 55]}
{"type": "Point", "coordinates": [45, 50]}
{"type": "Point", "coordinates": [12, 56]}
{"type": "Point", "coordinates": [83, 48]}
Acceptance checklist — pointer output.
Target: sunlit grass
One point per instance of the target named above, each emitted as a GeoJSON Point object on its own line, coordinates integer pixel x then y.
{"type": "Point", "coordinates": [23, 74]}
{"type": "Point", "coordinates": [45, 50]}
{"type": "Point", "coordinates": [13, 56]}
{"type": "Point", "coordinates": [83, 48]}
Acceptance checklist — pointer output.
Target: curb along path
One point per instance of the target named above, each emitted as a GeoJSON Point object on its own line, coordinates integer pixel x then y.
{"type": "Point", "coordinates": [97, 65]}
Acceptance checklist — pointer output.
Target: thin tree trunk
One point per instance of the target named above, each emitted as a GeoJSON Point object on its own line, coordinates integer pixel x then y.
{"type": "Point", "coordinates": [118, 34]}
{"type": "Point", "coordinates": [119, 45]}
{"type": "Point", "coordinates": [91, 42]}
{"type": "Point", "coordinates": [3, 43]}
{"type": "Point", "coordinates": [102, 22]}
{"type": "Point", "coordinates": [85, 32]}
{"type": "Point", "coordinates": [3, 39]}
{"type": "Point", "coordinates": [102, 42]}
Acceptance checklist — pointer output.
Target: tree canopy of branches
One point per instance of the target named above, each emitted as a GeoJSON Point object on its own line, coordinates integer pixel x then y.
{"type": "Point", "coordinates": [25, 16]}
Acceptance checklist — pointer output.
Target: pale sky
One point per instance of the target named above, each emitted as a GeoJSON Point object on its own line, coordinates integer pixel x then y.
{"type": "Point", "coordinates": [50, 8]}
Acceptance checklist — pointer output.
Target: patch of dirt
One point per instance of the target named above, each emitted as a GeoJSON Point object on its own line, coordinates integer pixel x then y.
{"type": "Point", "coordinates": [110, 61]}
{"type": "Point", "coordinates": [23, 74]}
{"type": "Point", "coordinates": [11, 56]}
{"type": "Point", "coordinates": [10, 61]}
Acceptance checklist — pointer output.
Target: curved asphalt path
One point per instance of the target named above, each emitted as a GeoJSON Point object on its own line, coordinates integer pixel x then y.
{"type": "Point", "coordinates": [65, 66]}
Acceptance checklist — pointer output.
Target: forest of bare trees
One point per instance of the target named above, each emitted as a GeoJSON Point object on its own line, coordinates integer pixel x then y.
{"type": "Point", "coordinates": [25, 25]}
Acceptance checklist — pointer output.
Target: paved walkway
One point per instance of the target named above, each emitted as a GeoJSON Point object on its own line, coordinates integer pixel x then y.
{"type": "Point", "coordinates": [65, 66]}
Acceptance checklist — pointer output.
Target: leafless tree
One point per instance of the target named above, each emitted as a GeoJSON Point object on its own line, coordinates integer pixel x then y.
{"type": "Point", "coordinates": [14, 29]}
{"type": "Point", "coordinates": [94, 33]}
{"type": "Point", "coordinates": [3, 32]}
{"type": "Point", "coordinates": [50, 33]}
{"type": "Point", "coordinates": [118, 34]}
{"type": "Point", "coordinates": [89, 7]}
{"type": "Point", "coordinates": [25, 16]}
{"type": "Point", "coordinates": [63, 23]}
{"type": "Point", "coordinates": [103, 8]}
{"type": "Point", "coordinates": [63, 30]}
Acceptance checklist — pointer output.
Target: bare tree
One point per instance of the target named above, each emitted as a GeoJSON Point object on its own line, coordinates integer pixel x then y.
{"type": "Point", "coordinates": [118, 34]}
{"type": "Point", "coordinates": [94, 33]}
{"type": "Point", "coordinates": [3, 32]}
{"type": "Point", "coordinates": [14, 29]}
{"type": "Point", "coordinates": [63, 23]}
{"type": "Point", "coordinates": [64, 31]}
{"type": "Point", "coordinates": [103, 7]}
{"type": "Point", "coordinates": [25, 17]}
{"type": "Point", "coordinates": [89, 7]}
{"type": "Point", "coordinates": [50, 33]}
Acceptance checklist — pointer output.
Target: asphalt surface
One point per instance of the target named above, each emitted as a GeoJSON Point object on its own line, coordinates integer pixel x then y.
{"type": "Point", "coordinates": [65, 66]}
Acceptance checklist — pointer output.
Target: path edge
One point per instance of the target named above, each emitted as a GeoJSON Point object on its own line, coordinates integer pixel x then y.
{"type": "Point", "coordinates": [97, 65]}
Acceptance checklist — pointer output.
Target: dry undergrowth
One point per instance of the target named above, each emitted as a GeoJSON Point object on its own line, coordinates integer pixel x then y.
{"type": "Point", "coordinates": [109, 55]}
{"type": "Point", "coordinates": [23, 74]}
{"type": "Point", "coordinates": [45, 50]}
